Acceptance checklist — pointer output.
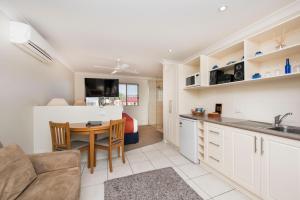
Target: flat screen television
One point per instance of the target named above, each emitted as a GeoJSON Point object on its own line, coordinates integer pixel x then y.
{"type": "Point", "coordinates": [101, 87]}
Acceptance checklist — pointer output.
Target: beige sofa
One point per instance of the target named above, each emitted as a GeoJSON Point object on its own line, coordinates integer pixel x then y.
{"type": "Point", "coordinates": [46, 176]}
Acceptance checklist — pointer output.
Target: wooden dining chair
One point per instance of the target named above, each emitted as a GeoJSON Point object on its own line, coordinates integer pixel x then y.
{"type": "Point", "coordinates": [115, 140]}
{"type": "Point", "coordinates": [61, 139]}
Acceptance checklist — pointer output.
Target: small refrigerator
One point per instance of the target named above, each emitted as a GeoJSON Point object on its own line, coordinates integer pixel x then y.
{"type": "Point", "coordinates": [188, 139]}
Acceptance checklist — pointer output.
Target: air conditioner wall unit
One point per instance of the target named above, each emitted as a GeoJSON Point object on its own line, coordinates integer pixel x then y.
{"type": "Point", "coordinates": [29, 40]}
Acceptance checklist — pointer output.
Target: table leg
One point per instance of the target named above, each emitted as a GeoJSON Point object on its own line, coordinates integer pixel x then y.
{"type": "Point", "coordinates": [92, 149]}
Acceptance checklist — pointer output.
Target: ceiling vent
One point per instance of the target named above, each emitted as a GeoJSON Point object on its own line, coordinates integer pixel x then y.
{"type": "Point", "coordinates": [29, 40]}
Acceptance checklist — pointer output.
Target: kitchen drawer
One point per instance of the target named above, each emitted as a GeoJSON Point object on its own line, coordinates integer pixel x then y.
{"type": "Point", "coordinates": [214, 162]}
{"type": "Point", "coordinates": [214, 150]}
{"type": "Point", "coordinates": [214, 137]}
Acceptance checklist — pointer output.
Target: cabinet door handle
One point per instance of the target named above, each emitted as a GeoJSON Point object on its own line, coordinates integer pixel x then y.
{"type": "Point", "coordinates": [261, 146]}
{"type": "Point", "coordinates": [215, 132]}
{"type": "Point", "coordinates": [214, 144]}
{"type": "Point", "coordinates": [255, 147]}
{"type": "Point", "coordinates": [214, 159]}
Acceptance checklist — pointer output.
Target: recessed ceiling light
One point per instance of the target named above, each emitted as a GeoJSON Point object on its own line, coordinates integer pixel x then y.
{"type": "Point", "coordinates": [170, 50]}
{"type": "Point", "coordinates": [223, 8]}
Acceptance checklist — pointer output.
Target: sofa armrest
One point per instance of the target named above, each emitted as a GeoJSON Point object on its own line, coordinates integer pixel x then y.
{"type": "Point", "coordinates": [46, 162]}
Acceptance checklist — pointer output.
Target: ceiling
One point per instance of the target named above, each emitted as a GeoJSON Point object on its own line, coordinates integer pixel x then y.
{"type": "Point", "coordinates": [139, 32]}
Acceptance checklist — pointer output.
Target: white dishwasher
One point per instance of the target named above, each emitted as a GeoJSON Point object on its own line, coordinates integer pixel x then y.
{"type": "Point", "coordinates": [188, 138]}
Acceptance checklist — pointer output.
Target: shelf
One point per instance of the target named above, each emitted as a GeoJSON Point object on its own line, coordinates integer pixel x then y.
{"type": "Point", "coordinates": [227, 66]}
{"type": "Point", "coordinates": [227, 84]}
{"type": "Point", "coordinates": [193, 87]}
{"type": "Point", "coordinates": [288, 26]}
{"type": "Point", "coordinates": [229, 50]}
{"type": "Point", "coordinates": [287, 51]}
{"type": "Point", "coordinates": [201, 151]}
{"type": "Point", "coordinates": [201, 156]}
{"type": "Point", "coordinates": [283, 76]}
{"type": "Point", "coordinates": [201, 142]}
{"type": "Point", "coordinates": [194, 62]}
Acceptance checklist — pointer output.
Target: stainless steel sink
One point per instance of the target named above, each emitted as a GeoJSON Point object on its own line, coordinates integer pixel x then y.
{"type": "Point", "coordinates": [286, 129]}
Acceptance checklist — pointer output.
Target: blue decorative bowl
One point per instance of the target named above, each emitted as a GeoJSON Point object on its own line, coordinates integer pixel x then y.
{"type": "Point", "coordinates": [256, 76]}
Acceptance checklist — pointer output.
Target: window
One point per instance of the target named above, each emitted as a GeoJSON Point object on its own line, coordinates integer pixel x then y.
{"type": "Point", "coordinates": [122, 93]}
{"type": "Point", "coordinates": [129, 94]}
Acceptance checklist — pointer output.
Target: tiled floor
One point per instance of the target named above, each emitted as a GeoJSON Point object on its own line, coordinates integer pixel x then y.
{"type": "Point", "coordinates": [152, 157]}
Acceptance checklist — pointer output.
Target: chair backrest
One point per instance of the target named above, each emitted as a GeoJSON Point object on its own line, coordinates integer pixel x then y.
{"type": "Point", "coordinates": [60, 135]}
{"type": "Point", "coordinates": [116, 131]}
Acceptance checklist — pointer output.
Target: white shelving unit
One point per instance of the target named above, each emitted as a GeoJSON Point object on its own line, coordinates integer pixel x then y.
{"type": "Point", "coordinates": [270, 64]}
{"type": "Point", "coordinates": [251, 81]}
{"type": "Point", "coordinates": [190, 67]}
{"type": "Point", "coordinates": [273, 59]}
{"type": "Point", "coordinates": [222, 57]}
{"type": "Point", "coordinates": [193, 66]}
{"type": "Point", "coordinates": [284, 52]}
{"type": "Point", "coordinates": [201, 141]}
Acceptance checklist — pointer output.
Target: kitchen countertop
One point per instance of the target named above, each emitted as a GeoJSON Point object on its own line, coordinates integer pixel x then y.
{"type": "Point", "coordinates": [255, 126]}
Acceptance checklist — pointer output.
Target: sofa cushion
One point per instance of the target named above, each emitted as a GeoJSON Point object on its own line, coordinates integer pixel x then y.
{"type": "Point", "coordinates": [47, 162]}
{"type": "Point", "coordinates": [16, 172]}
{"type": "Point", "coordinates": [59, 185]}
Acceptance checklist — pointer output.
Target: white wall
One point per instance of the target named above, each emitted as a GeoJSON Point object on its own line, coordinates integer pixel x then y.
{"type": "Point", "coordinates": [139, 112]}
{"type": "Point", "coordinates": [72, 114]}
{"type": "Point", "coordinates": [24, 83]}
{"type": "Point", "coordinates": [152, 102]}
{"type": "Point", "coordinates": [256, 101]}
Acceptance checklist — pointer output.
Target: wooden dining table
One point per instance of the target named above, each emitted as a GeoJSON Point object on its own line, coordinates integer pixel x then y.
{"type": "Point", "coordinates": [91, 131]}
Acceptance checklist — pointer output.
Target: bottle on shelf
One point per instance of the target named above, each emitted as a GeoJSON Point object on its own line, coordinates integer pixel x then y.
{"type": "Point", "coordinates": [287, 68]}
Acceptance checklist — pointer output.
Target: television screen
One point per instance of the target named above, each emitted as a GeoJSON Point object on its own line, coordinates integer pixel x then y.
{"type": "Point", "coordinates": [101, 87]}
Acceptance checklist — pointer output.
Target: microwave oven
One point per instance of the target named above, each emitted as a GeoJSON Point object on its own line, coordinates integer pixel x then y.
{"type": "Point", "coordinates": [193, 80]}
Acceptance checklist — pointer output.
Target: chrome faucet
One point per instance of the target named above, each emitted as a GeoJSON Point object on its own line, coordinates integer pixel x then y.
{"type": "Point", "coordinates": [278, 119]}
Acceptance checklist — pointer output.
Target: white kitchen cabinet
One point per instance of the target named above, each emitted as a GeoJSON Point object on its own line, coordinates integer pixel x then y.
{"type": "Point", "coordinates": [280, 168]}
{"type": "Point", "coordinates": [228, 152]}
{"type": "Point", "coordinates": [214, 145]}
{"type": "Point", "coordinates": [219, 145]}
{"type": "Point", "coordinates": [246, 160]}
{"type": "Point", "coordinates": [170, 113]}
{"type": "Point", "coordinates": [266, 165]}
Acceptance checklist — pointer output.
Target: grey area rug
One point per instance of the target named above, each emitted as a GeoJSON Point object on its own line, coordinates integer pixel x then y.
{"type": "Point", "coordinates": [161, 184]}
